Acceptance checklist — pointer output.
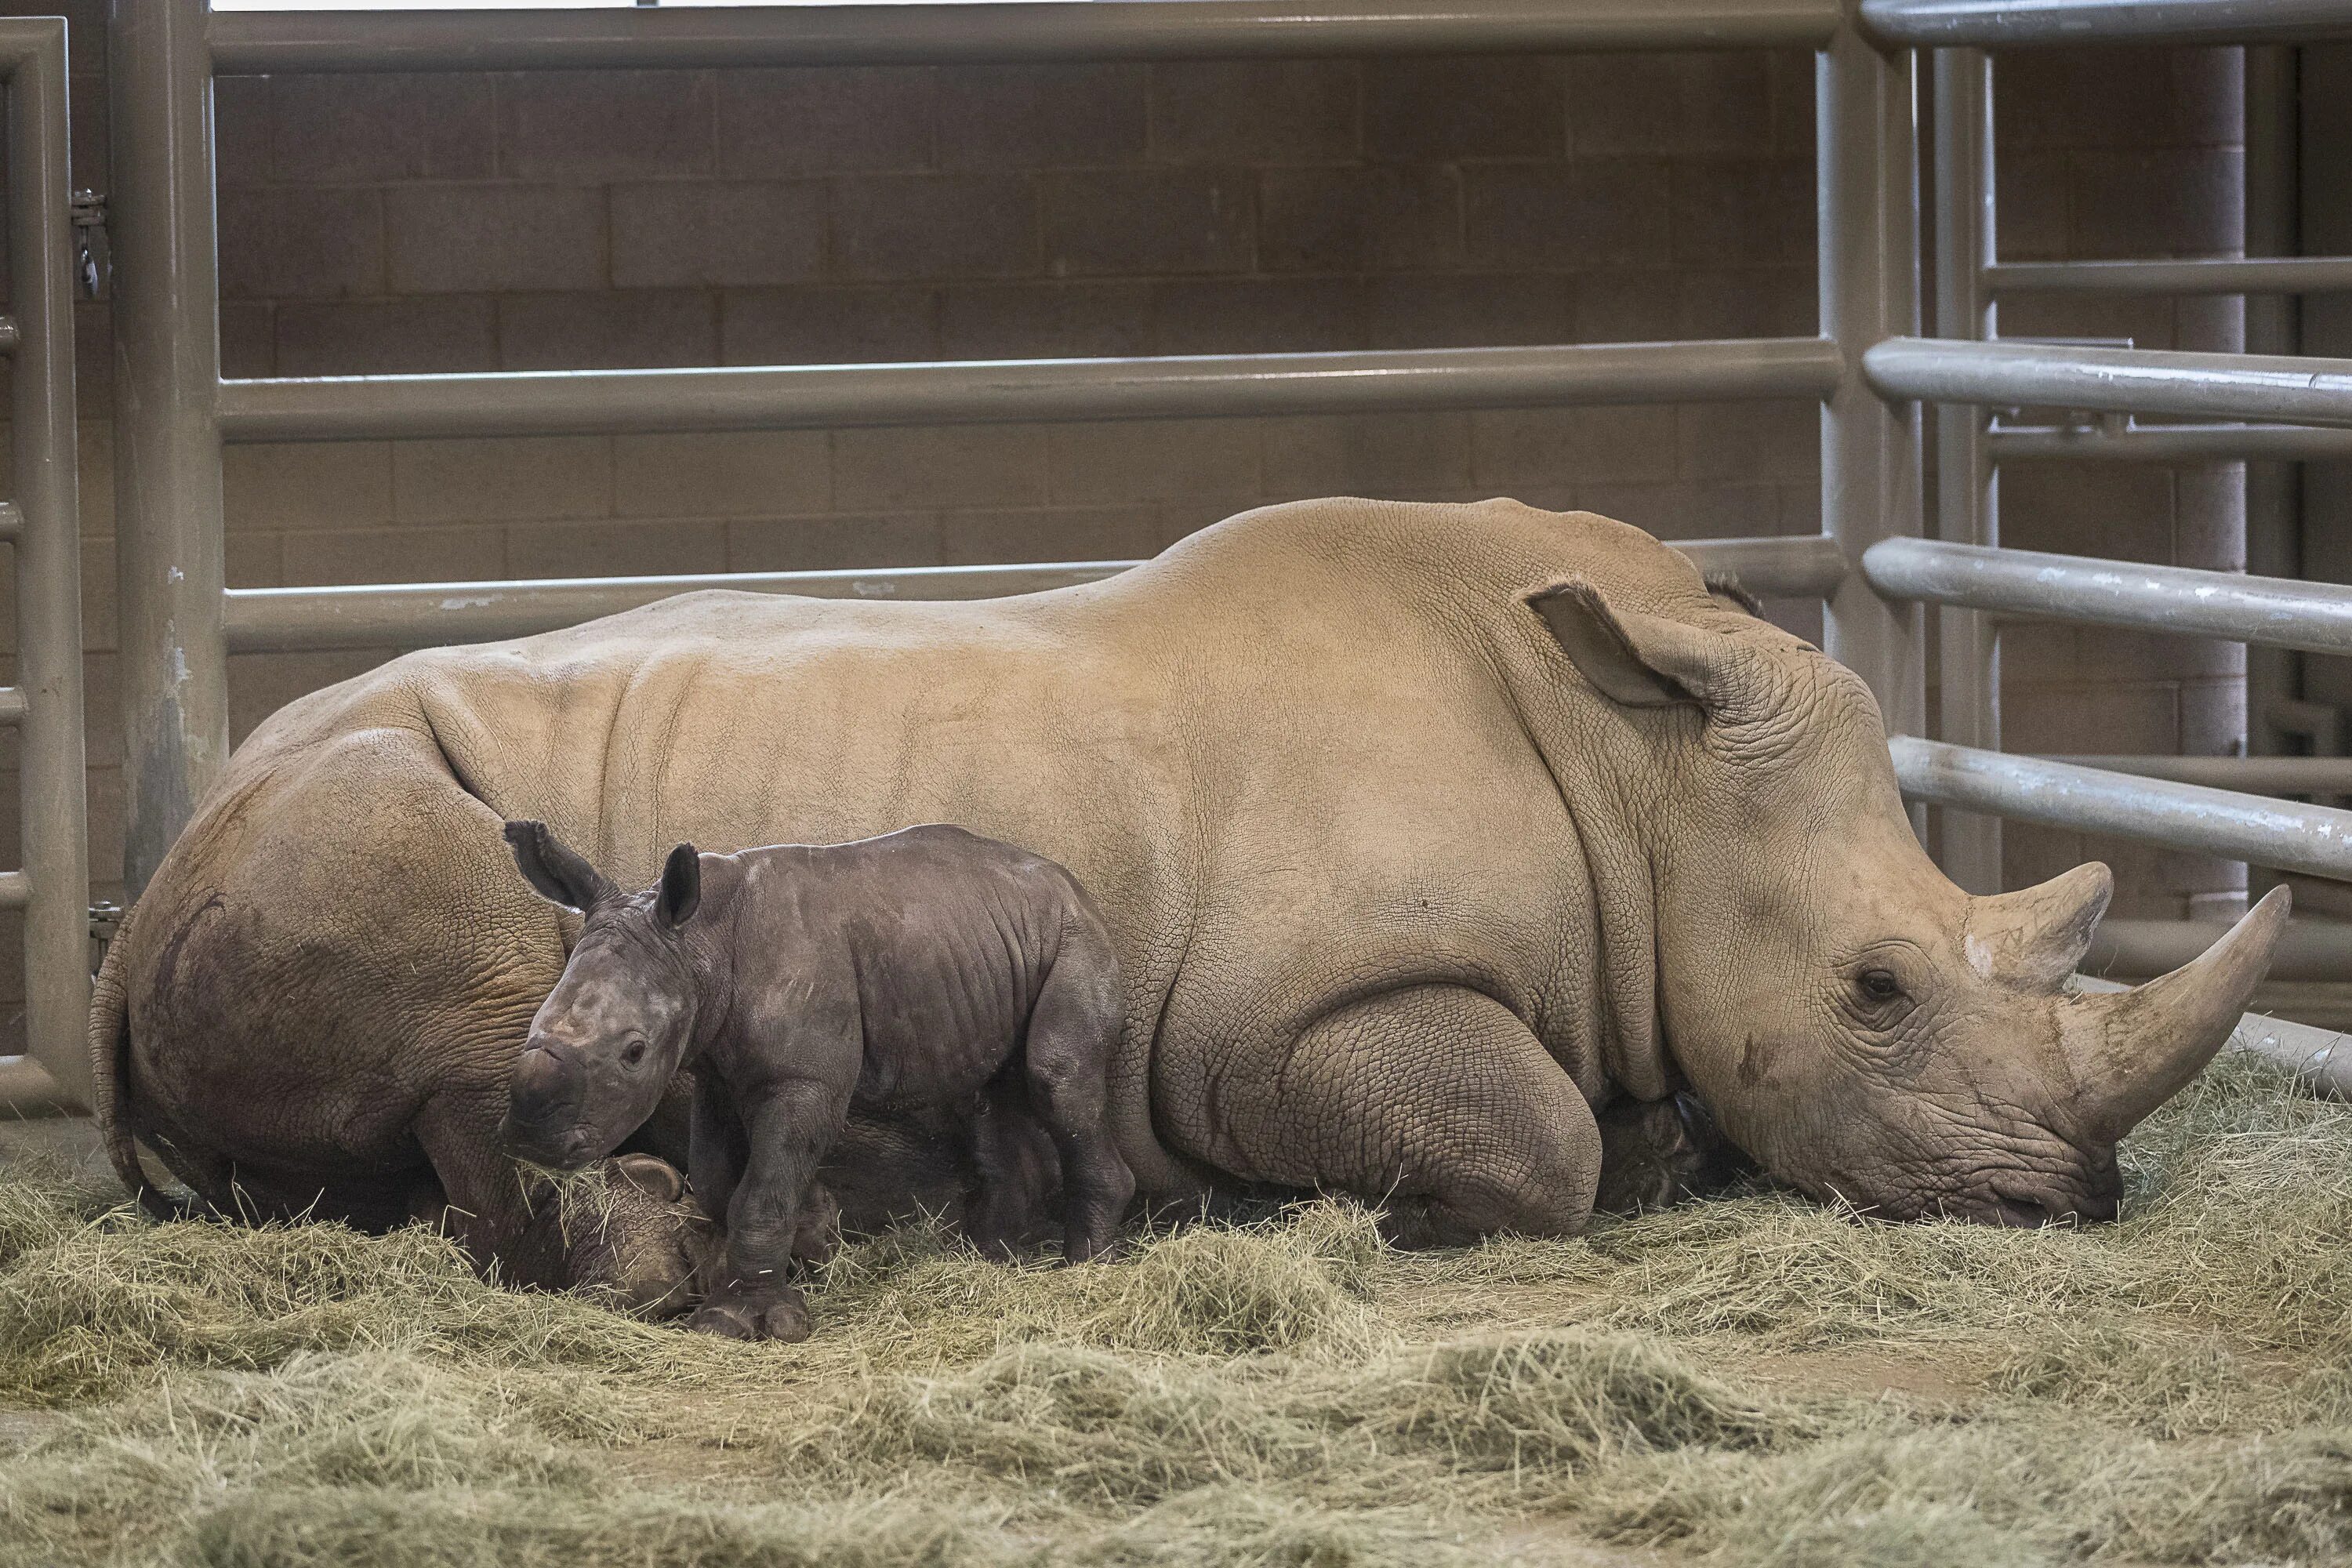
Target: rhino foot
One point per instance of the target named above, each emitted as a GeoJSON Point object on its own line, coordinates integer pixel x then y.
{"type": "Point", "coordinates": [780, 1314]}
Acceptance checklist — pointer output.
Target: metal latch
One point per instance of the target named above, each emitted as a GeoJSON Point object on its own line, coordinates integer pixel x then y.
{"type": "Point", "coordinates": [93, 257]}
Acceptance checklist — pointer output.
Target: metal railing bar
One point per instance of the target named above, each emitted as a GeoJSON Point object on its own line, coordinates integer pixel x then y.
{"type": "Point", "coordinates": [2221, 275]}
{"type": "Point", "coordinates": [2314, 840]}
{"type": "Point", "coordinates": [12, 704]}
{"type": "Point", "coordinates": [12, 522]}
{"type": "Point", "coordinates": [2307, 391]}
{"type": "Point", "coordinates": [544, 403]}
{"type": "Point", "coordinates": [2013, 24]}
{"type": "Point", "coordinates": [7, 334]}
{"type": "Point", "coordinates": [2277, 612]}
{"type": "Point", "coordinates": [15, 889]}
{"type": "Point", "coordinates": [2171, 443]}
{"type": "Point", "coordinates": [2255, 775]}
{"type": "Point", "coordinates": [263, 42]}
{"type": "Point", "coordinates": [427, 615]}
{"type": "Point", "coordinates": [2307, 950]}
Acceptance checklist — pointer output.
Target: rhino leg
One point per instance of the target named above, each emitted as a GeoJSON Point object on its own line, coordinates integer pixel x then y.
{"type": "Point", "coordinates": [1435, 1100]}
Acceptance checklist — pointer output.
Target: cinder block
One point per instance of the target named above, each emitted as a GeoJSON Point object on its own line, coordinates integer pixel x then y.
{"type": "Point", "coordinates": [2097, 716]}
{"type": "Point", "coordinates": [1697, 105]}
{"type": "Point", "coordinates": [642, 329]}
{"type": "Point", "coordinates": [2034, 192]}
{"type": "Point", "coordinates": [1686, 511]}
{"type": "Point", "coordinates": [305, 486]}
{"type": "Point", "coordinates": [94, 475]}
{"type": "Point", "coordinates": [106, 834]}
{"type": "Point", "coordinates": [350, 128]}
{"type": "Point", "coordinates": [1750, 440]}
{"type": "Point", "coordinates": [1433, 109]}
{"type": "Point", "coordinates": [1381, 218]}
{"type": "Point", "coordinates": [254, 559]}
{"type": "Point", "coordinates": [385, 337]}
{"type": "Point", "coordinates": [1256, 111]}
{"type": "Point", "coordinates": [495, 480]}
{"type": "Point", "coordinates": [1747, 302]}
{"type": "Point", "coordinates": [960, 466]}
{"type": "Point", "coordinates": [249, 329]}
{"type": "Point", "coordinates": [102, 701]}
{"type": "Point", "coordinates": [1367, 454]}
{"type": "Point", "coordinates": [1573, 447]}
{"type": "Point", "coordinates": [2148, 656]}
{"type": "Point", "coordinates": [448, 239]}
{"type": "Point", "coordinates": [87, 132]}
{"type": "Point", "coordinates": [1061, 533]}
{"type": "Point", "coordinates": [1258, 315]}
{"type": "Point", "coordinates": [1044, 321]}
{"type": "Point", "coordinates": [606, 124]}
{"type": "Point", "coordinates": [828, 326]}
{"type": "Point", "coordinates": [1147, 222]}
{"type": "Point", "coordinates": [834, 544]}
{"type": "Point", "coordinates": [409, 555]}
{"type": "Point", "coordinates": [2135, 98]}
{"type": "Point", "coordinates": [1606, 213]}
{"type": "Point", "coordinates": [934, 225]}
{"type": "Point", "coordinates": [2182, 201]}
{"type": "Point", "coordinates": [667, 547]}
{"type": "Point", "coordinates": [100, 629]}
{"type": "Point", "coordinates": [828, 119]}
{"type": "Point", "coordinates": [1637, 306]}
{"type": "Point", "coordinates": [307, 243]}
{"type": "Point", "coordinates": [241, 115]}
{"type": "Point", "coordinates": [680, 235]}
{"type": "Point", "coordinates": [1475, 311]}
{"type": "Point", "coordinates": [1748, 212]}
{"type": "Point", "coordinates": [2147, 322]}
{"type": "Point", "coordinates": [752, 473]}
{"type": "Point", "coordinates": [2119, 511]}
{"type": "Point", "coordinates": [1155, 459]}
{"type": "Point", "coordinates": [1042, 116]}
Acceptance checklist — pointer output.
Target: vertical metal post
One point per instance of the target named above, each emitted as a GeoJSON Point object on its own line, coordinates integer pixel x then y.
{"type": "Point", "coordinates": [167, 441]}
{"type": "Point", "coordinates": [1967, 495]}
{"type": "Point", "coordinates": [49, 573]}
{"type": "Point", "coordinates": [2274, 326]}
{"type": "Point", "coordinates": [1868, 236]}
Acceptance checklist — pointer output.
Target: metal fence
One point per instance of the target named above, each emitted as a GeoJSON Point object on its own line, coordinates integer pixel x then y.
{"type": "Point", "coordinates": [42, 524]}
{"type": "Point", "coordinates": [1866, 365]}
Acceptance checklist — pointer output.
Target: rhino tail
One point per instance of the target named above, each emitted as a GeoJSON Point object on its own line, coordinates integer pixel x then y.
{"type": "Point", "coordinates": [110, 1060]}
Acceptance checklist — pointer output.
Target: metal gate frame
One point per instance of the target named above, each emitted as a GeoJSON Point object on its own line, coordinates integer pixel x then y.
{"type": "Point", "coordinates": [1866, 364]}
{"type": "Point", "coordinates": [43, 524]}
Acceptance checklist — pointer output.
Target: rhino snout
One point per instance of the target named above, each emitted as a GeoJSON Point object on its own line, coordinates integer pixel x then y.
{"type": "Point", "coordinates": [545, 1101]}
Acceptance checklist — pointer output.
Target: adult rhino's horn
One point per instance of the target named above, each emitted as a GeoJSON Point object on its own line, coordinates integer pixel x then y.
{"type": "Point", "coordinates": [2035, 936]}
{"type": "Point", "coordinates": [2134, 1050]}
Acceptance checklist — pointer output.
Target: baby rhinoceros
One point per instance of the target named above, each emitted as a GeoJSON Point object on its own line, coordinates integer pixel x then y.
{"type": "Point", "coordinates": [930, 975]}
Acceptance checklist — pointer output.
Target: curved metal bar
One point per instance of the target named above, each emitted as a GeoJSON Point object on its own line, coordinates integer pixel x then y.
{"type": "Point", "coordinates": [262, 42]}
{"type": "Point", "coordinates": [2010, 24]}
{"type": "Point", "coordinates": [2308, 391]}
{"type": "Point", "coordinates": [2276, 612]}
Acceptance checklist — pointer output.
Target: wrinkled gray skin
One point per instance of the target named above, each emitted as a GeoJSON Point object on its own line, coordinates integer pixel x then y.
{"type": "Point", "coordinates": [1425, 833]}
{"type": "Point", "coordinates": [928, 973]}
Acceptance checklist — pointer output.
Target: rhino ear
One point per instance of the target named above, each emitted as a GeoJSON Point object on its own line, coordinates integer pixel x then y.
{"type": "Point", "coordinates": [1638, 660]}
{"type": "Point", "coordinates": [681, 886]}
{"type": "Point", "coordinates": [556, 873]}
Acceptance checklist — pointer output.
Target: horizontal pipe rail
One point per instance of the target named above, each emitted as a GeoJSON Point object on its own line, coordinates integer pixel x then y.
{"type": "Point", "coordinates": [2171, 443]}
{"type": "Point", "coordinates": [2307, 391]}
{"type": "Point", "coordinates": [2221, 275]}
{"type": "Point", "coordinates": [2321, 1058]}
{"type": "Point", "coordinates": [262, 42]}
{"type": "Point", "coordinates": [2017, 24]}
{"type": "Point", "coordinates": [2307, 950]}
{"type": "Point", "coordinates": [427, 615]}
{"type": "Point", "coordinates": [2314, 840]}
{"type": "Point", "coordinates": [2276, 612]}
{"type": "Point", "coordinates": [547, 402]}
{"type": "Point", "coordinates": [2255, 775]}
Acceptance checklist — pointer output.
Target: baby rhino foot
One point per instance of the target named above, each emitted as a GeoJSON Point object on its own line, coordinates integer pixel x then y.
{"type": "Point", "coordinates": [760, 1314]}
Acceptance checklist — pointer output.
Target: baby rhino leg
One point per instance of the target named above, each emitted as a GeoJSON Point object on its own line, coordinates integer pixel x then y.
{"type": "Point", "coordinates": [1073, 1032]}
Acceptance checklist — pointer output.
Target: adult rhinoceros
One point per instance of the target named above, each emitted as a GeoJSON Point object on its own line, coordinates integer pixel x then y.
{"type": "Point", "coordinates": [1425, 830]}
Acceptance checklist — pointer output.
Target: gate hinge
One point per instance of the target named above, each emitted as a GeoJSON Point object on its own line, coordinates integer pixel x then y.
{"type": "Point", "coordinates": [93, 257]}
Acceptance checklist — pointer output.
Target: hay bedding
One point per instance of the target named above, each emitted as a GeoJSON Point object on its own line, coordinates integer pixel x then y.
{"type": "Point", "coordinates": [1749, 1380]}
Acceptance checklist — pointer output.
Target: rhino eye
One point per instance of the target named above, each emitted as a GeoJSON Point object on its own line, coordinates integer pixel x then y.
{"type": "Point", "coordinates": [1878, 986]}
{"type": "Point", "coordinates": [634, 1054]}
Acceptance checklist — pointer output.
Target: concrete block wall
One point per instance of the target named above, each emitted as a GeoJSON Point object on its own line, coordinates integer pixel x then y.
{"type": "Point", "coordinates": [2111, 154]}
{"type": "Point", "coordinates": [452, 222]}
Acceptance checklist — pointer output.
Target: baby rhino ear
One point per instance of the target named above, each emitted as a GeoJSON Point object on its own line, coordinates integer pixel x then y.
{"type": "Point", "coordinates": [1633, 659]}
{"type": "Point", "coordinates": [681, 886]}
{"type": "Point", "coordinates": [554, 871]}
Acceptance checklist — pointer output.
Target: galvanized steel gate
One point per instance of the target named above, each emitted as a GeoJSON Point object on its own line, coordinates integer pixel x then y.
{"type": "Point", "coordinates": [1866, 365]}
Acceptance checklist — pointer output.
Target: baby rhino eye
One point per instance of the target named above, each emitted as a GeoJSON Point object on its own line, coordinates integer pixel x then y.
{"type": "Point", "coordinates": [635, 1054]}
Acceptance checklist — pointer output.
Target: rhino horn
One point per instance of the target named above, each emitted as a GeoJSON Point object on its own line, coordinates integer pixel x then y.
{"type": "Point", "coordinates": [2035, 936]}
{"type": "Point", "coordinates": [2133, 1050]}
